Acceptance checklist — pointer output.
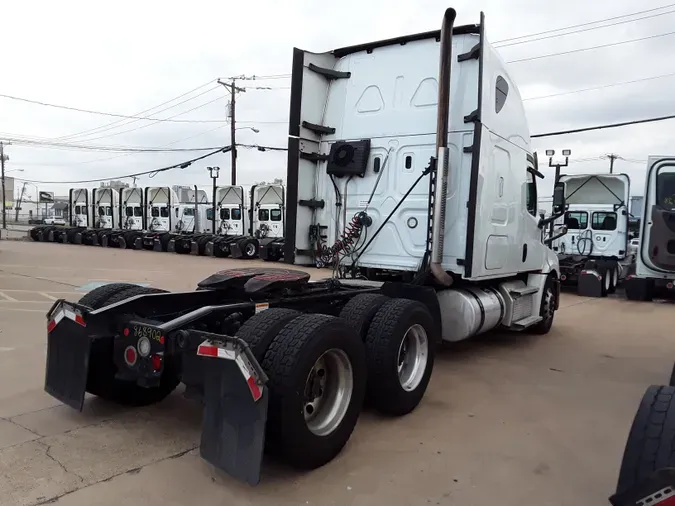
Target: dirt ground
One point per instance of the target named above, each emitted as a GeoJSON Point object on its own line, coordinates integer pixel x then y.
{"type": "Point", "coordinates": [508, 419]}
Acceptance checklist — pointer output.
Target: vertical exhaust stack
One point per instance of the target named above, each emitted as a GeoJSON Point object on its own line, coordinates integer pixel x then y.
{"type": "Point", "coordinates": [442, 154]}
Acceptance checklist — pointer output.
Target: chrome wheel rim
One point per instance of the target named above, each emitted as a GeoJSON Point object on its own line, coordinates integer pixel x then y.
{"type": "Point", "coordinates": [250, 249]}
{"type": "Point", "coordinates": [328, 391]}
{"type": "Point", "coordinates": [608, 280]}
{"type": "Point", "coordinates": [413, 355]}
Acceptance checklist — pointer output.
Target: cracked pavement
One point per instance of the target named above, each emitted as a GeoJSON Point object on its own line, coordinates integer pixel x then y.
{"type": "Point", "coordinates": [508, 419]}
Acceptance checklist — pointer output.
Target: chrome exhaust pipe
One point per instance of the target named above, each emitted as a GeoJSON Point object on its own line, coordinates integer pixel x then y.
{"type": "Point", "coordinates": [442, 153]}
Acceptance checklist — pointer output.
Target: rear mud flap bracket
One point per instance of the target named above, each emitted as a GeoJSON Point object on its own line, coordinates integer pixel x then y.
{"type": "Point", "coordinates": [67, 360]}
{"type": "Point", "coordinates": [233, 425]}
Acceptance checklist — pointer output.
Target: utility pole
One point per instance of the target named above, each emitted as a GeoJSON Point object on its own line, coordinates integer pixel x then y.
{"type": "Point", "coordinates": [18, 205]}
{"type": "Point", "coordinates": [612, 157]}
{"type": "Point", "coordinates": [233, 89]}
{"type": "Point", "coordinates": [233, 153]}
{"type": "Point", "coordinates": [4, 197]}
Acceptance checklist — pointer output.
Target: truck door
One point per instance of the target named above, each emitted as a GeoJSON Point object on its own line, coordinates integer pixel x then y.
{"type": "Point", "coordinates": [276, 222]}
{"type": "Point", "coordinates": [610, 229]}
{"type": "Point", "coordinates": [577, 226]}
{"type": "Point", "coordinates": [658, 237]}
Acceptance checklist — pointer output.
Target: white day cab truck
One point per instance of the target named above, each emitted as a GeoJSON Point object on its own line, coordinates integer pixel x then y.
{"type": "Point", "coordinates": [439, 230]}
{"type": "Point", "coordinates": [655, 263]}
{"type": "Point", "coordinates": [79, 219]}
{"type": "Point", "coordinates": [132, 218]}
{"type": "Point", "coordinates": [105, 216]}
{"type": "Point", "coordinates": [266, 218]}
{"type": "Point", "coordinates": [230, 224]}
{"type": "Point", "coordinates": [595, 253]}
{"type": "Point", "coordinates": [167, 218]}
{"type": "Point", "coordinates": [245, 229]}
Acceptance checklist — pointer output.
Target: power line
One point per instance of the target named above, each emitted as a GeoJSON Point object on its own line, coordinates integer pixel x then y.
{"type": "Point", "coordinates": [155, 122]}
{"type": "Point", "coordinates": [600, 87]}
{"type": "Point", "coordinates": [585, 29]}
{"type": "Point", "coordinates": [262, 148]}
{"type": "Point", "coordinates": [584, 24]}
{"type": "Point", "coordinates": [104, 128]}
{"type": "Point", "coordinates": [29, 164]}
{"type": "Point", "coordinates": [603, 127]}
{"type": "Point", "coordinates": [181, 165]}
{"type": "Point", "coordinates": [256, 77]}
{"type": "Point", "coordinates": [114, 115]}
{"type": "Point", "coordinates": [119, 148]}
{"type": "Point", "coordinates": [592, 48]}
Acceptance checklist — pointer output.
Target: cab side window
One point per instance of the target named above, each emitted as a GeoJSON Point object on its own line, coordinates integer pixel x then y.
{"type": "Point", "coordinates": [531, 194]}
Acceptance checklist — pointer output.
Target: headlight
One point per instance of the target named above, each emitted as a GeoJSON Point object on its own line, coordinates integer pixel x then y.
{"type": "Point", "coordinates": [144, 346]}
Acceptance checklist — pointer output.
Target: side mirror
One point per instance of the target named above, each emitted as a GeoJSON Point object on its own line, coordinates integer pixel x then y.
{"type": "Point", "coordinates": [559, 198]}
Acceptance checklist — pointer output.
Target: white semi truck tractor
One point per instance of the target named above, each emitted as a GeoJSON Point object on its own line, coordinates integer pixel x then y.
{"type": "Point", "coordinates": [655, 263]}
{"type": "Point", "coordinates": [411, 174]}
{"type": "Point", "coordinates": [595, 254]}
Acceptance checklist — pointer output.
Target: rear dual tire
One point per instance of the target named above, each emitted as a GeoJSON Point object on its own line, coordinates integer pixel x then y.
{"type": "Point", "coordinates": [316, 366]}
{"type": "Point", "coordinates": [400, 339]}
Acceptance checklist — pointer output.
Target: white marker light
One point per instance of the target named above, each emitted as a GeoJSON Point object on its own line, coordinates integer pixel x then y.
{"type": "Point", "coordinates": [143, 347]}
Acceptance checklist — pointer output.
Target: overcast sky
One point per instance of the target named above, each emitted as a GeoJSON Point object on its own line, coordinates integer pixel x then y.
{"type": "Point", "coordinates": [130, 56]}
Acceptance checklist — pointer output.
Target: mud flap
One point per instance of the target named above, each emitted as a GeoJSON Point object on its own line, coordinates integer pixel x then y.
{"type": "Point", "coordinates": [171, 247]}
{"type": "Point", "coordinates": [590, 284]}
{"type": "Point", "coordinates": [657, 490]}
{"type": "Point", "coordinates": [68, 349]}
{"type": "Point", "coordinates": [233, 426]}
{"type": "Point", "coordinates": [235, 409]}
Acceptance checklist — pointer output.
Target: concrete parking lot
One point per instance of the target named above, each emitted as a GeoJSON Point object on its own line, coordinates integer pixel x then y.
{"type": "Point", "coordinates": [508, 419]}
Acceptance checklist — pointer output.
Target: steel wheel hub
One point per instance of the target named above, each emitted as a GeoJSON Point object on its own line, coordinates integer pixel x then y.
{"type": "Point", "coordinates": [328, 391]}
{"type": "Point", "coordinates": [413, 355]}
{"type": "Point", "coordinates": [548, 304]}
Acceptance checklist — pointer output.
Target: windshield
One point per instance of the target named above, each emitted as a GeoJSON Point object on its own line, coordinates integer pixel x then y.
{"type": "Point", "coordinates": [188, 211]}
{"type": "Point", "coordinates": [155, 212]}
{"type": "Point", "coordinates": [129, 211]}
{"type": "Point", "coordinates": [224, 213]}
{"type": "Point", "coordinates": [275, 214]}
{"type": "Point", "coordinates": [263, 214]}
{"type": "Point", "coordinates": [236, 214]}
{"type": "Point", "coordinates": [665, 184]}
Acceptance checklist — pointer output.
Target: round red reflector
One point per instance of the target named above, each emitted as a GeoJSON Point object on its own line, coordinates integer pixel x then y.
{"type": "Point", "coordinates": [156, 362]}
{"type": "Point", "coordinates": [563, 277]}
{"type": "Point", "coordinates": [161, 339]}
{"type": "Point", "coordinates": [126, 332]}
{"type": "Point", "coordinates": [670, 286]}
{"type": "Point", "coordinates": [130, 355]}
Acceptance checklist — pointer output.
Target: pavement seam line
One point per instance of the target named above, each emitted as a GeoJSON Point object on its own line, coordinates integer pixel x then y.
{"type": "Point", "coordinates": [22, 427]}
{"type": "Point", "coordinates": [136, 469]}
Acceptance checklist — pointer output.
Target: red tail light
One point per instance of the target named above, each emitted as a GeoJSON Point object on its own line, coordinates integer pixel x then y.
{"type": "Point", "coordinates": [130, 355]}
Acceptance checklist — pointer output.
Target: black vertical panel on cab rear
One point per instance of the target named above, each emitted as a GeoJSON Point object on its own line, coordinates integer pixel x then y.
{"type": "Point", "coordinates": [68, 347]}
{"type": "Point", "coordinates": [662, 239]}
{"type": "Point", "coordinates": [233, 426]}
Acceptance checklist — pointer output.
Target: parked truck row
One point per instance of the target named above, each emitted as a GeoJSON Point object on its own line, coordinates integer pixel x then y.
{"type": "Point", "coordinates": [233, 223]}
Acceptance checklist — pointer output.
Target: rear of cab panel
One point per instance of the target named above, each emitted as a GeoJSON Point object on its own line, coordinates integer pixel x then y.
{"type": "Point", "coordinates": [388, 94]}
